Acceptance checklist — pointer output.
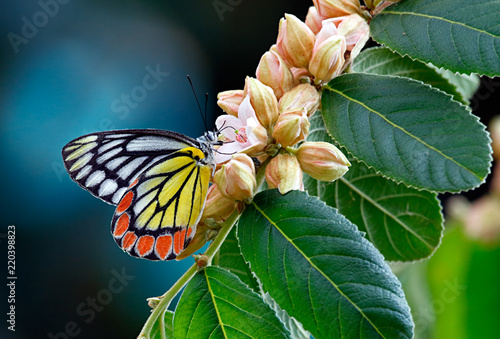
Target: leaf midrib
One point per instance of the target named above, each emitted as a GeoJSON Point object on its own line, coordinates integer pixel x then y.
{"type": "Point", "coordinates": [386, 212]}
{"type": "Point", "coordinates": [247, 313]}
{"type": "Point", "coordinates": [317, 269]}
{"type": "Point", "coordinates": [404, 131]}
{"type": "Point", "coordinates": [212, 295]}
{"type": "Point", "coordinates": [441, 19]}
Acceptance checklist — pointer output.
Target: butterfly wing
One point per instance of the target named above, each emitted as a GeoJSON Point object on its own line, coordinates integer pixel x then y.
{"type": "Point", "coordinates": [106, 163]}
{"type": "Point", "coordinates": [158, 214]}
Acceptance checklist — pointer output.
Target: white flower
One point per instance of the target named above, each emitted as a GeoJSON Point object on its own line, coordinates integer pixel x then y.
{"type": "Point", "coordinates": [243, 133]}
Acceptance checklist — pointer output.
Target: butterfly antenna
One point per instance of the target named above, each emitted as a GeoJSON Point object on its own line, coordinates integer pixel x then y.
{"type": "Point", "coordinates": [206, 104]}
{"type": "Point", "coordinates": [224, 153]}
{"type": "Point", "coordinates": [198, 103]}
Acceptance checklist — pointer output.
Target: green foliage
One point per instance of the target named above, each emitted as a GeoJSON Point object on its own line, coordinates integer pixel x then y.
{"type": "Point", "coordinates": [320, 269]}
{"type": "Point", "coordinates": [462, 36]}
{"type": "Point", "coordinates": [454, 294]}
{"type": "Point", "coordinates": [408, 131]}
{"type": "Point", "coordinates": [231, 259]}
{"type": "Point", "coordinates": [217, 304]}
{"type": "Point", "coordinates": [314, 262]}
{"type": "Point", "coordinates": [380, 60]}
{"type": "Point", "coordinates": [403, 223]}
{"type": "Point", "coordinates": [165, 324]}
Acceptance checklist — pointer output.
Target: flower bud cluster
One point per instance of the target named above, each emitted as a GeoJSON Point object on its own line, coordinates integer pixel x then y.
{"type": "Point", "coordinates": [267, 127]}
{"type": "Point", "coordinates": [316, 50]}
{"type": "Point", "coordinates": [269, 118]}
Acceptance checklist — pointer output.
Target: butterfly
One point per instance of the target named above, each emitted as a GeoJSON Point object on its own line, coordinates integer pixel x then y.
{"type": "Point", "coordinates": [158, 181]}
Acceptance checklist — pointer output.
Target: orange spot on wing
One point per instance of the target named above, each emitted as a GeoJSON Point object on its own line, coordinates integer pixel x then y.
{"type": "Point", "coordinates": [128, 241]}
{"type": "Point", "coordinates": [163, 246]}
{"type": "Point", "coordinates": [189, 231]}
{"type": "Point", "coordinates": [145, 245]}
{"type": "Point", "coordinates": [134, 183]}
{"type": "Point", "coordinates": [179, 241]}
{"type": "Point", "coordinates": [121, 225]}
{"type": "Point", "coordinates": [125, 202]}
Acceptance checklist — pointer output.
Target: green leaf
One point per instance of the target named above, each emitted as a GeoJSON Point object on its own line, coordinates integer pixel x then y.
{"type": "Point", "coordinates": [403, 223]}
{"type": "Point", "coordinates": [413, 277]}
{"type": "Point", "coordinates": [216, 304]}
{"type": "Point", "coordinates": [166, 326]}
{"type": "Point", "coordinates": [408, 131]}
{"type": "Point", "coordinates": [380, 60]}
{"type": "Point", "coordinates": [460, 35]}
{"type": "Point", "coordinates": [296, 329]}
{"type": "Point", "coordinates": [231, 259]}
{"type": "Point", "coordinates": [466, 85]}
{"type": "Point", "coordinates": [318, 267]}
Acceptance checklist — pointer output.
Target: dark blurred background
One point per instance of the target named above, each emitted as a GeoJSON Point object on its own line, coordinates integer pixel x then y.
{"type": "Point", "coordinates": [68, 68]}
{"type": "Point", "coordinates": [71, 75]}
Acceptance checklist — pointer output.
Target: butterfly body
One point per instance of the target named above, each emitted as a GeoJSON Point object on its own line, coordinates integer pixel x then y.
{"type": "Point", "coordinates": [157, 179]}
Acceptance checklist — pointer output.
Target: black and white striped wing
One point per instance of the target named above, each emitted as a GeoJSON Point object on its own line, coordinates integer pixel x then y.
{"type": "Point", "coordinates": [106, 163]}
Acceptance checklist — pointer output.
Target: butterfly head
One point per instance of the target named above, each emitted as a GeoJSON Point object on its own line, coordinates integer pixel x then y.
{"type": "Point", "coordinates": [207, 142]}
{"type": "Point", "coordinates": [210, 137]}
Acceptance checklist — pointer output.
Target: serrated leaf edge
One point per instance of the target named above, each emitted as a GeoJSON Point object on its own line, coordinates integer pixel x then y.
{"type": "Point", "coordinates": [451, 99]}
{"type": "Point", "coordinates": [317, 269]}
{"type": "Point", "coordinates": [438, 18]}
{"type": "Point", "coordinates": [281, 314]}
{"type": "Point", "coordinates": [435, 197]}
{"type": "Point", "coordinates": [221, 324]}
{"type": "Point", "coordinates": [465, 98]}
{"type": "Point", "coordinates": [459, 93]}
{"type": "Point", "coordinates": [413, 58]}
{"type": "Point", "coordinates": [262, 294]}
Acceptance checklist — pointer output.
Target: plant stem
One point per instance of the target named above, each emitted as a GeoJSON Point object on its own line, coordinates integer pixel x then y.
{"type": "Point", "coordinates": [214, 247]}
{"type": "Point", "coordinates": [224, 231]}
{"type": "Point", "coordinates": [186, 277]}
{"type": "Point", "coordinates": [165, 302]}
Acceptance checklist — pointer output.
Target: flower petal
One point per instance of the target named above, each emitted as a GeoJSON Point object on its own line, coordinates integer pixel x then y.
{"type": "Point", "coordinates": [226, 151]}
{"type": "Point", "coordinates": [256, 133]}
{"type": "Point", "coordinates": [246, 111]}
{"type": "Point", "coordinates": [329, 29]}
{"type": "Point", "coordinates": [227, 125]}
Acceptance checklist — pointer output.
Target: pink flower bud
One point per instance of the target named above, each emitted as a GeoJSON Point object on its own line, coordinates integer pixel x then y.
{"type": "Point", "coordinates": [283, 172]}
{"type": "Point", "coordinates": [313, 20]}
{"type": "Point", "coordinates": [292, 127]}
{"type": "Point", "coordinates": [263, 101]}
{"type": "Point", "coordinates": [302, 96]}
{"type": "Point", "coordinates": [322, 160]}
{"type": "Point", "coordinates": [274, 72]}
{"type": "Point", "coordinates": [295, 41]}
{"type": "Point", "coordinates": [335, 8]}
{"type": "Point", "coordinates": [236, 179]}
{"type": "Point", "coordinates": [217, 206]}
{"type": "Point", "coordinates": [202, 261]}
{"type": "Point", "coordinates": [230, 101]}
{"type": "Point", "coordinates": [356, 31]}
{"type": "Point", "coordinates": [328, 56]}
{"type": "Point", "coordinates": [301, 76]}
